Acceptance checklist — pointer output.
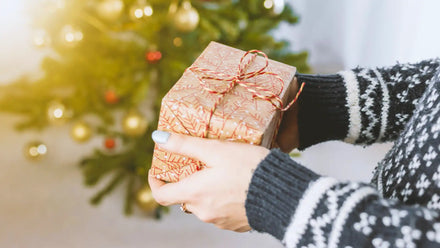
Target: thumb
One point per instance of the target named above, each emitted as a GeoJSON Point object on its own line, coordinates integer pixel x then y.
{"type": "Point", "coordinates": [194, 147]}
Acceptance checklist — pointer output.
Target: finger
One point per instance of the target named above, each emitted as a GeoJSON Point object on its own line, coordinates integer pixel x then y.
{"type": "Point", "coordinates": [154, 182]}
{"type": "Point", "coordinates": [194, 147]}
{"type": "Point", "coordinates": [167, 194]}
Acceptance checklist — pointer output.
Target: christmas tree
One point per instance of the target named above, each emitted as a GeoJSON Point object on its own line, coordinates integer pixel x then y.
{"type": "Point", "coordinates": [111, 62]}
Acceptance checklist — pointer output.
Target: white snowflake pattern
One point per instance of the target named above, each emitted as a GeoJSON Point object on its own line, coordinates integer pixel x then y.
{"type": "Point", "coordinates": [396, 77]}
{"type": "Point", "coordinates": [394, 219]}
{"type": "Point", "coordinates": [401, 118]}
{"type": "Point", "coordinates": [434, 203]}
{"type": "Point", "coordinates": [364, 225]}
{"type": "Point", "coordinates": [428, 214]}
{"type": "Point", "coordinates": [422, 184]}
{"type": "Point", "coordinates": [422, 137]}
{"type": "Point", "coordinates": [380, 243]}
{"type": "Point", "coordinates": [403, 96]}
{"type": "Point", "coordinates": [407, 191]}
{"type": "Point", "coordinates": [429, 156]}
{"type": "Point", "coordinates": [409, 234]}
{"type": "Point", "coordinates": [431, 99]}
{"type": "Point", "coordinates": [425, 70]}
{"type": "Point", "coordinates": [434, 235]}
{"type": "Point", "coordinates": [413, 165]}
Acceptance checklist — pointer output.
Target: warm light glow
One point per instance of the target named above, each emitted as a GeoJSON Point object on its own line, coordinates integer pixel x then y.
{"type": "Point", "coordinates": [80, 132]}
{"type": "Point", "coordinates": [53, 5]}
{"type": "Point", "coordinates": [117, 5]}
{"type": "Point", "coordinates": [69, 37]}
{"type": "Point", "coordinates": [39, 41]}
{"type": "Point", "coordinates": [276, 5]}
{"type": "Point", "coordinates": [268, 4]}
{"type": "Point", "coordinates": [138, 13]}
{"type": "Point", "coordinates": [173, 8]}
{"type": "Point", "coordinates": [33, 151]}
{"type": "Point", "coordinates": [110, 9]}
{"type": "Point", "coordinates": [42, 149]}
{"type": "Point", "coordinates": [133, 122]}
{"type": "Point", "coordinates": [148, 11]}
{"type": "Point", "coordinates": [145, 196]}
{"type": "Point", "coordinates": [279, 6]}
{"type": "Point", "coordinates": [41, 38]}
{"type": "Point", "coordinates": [71, 34]}
{"type": "Point", "coordinates": [79, 36]}
{"type": "Point", "coordinates": [186, 5]}
{"type": "Point", "coordinates": [58, 113]}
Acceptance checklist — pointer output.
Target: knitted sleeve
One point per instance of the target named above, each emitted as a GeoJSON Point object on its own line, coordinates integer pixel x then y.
{"type": "Point", "coordinates": [303, 209]}
{"type": "Point", "coordinates": [361, 106]}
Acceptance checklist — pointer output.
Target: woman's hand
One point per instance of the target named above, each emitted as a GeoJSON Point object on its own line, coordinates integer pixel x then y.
{"type": "Point", "coordinates": [216, 194]}
{"type": "Point", "coordinates": [288, 138]}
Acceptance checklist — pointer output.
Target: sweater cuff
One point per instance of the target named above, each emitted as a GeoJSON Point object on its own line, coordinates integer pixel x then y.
{"type": "Point", "coordinates": [275, 190]}
{"type": "Point", "coordinates": [323, 111]}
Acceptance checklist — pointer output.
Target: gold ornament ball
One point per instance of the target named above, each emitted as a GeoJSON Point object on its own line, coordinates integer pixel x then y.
{"type": "Point", "coordinates": [81, 132]}
{"type": "Point", "coordinates": [276, 6]}
{"type": "Point", "coordinates": [110, 9]}
{"type": "Point", "coordinates": [145, 200]}
{"type": "Point", "coordinates": [141, 9]}
{"type": "Point", "coordinates": [71, 35]}
{"type": "Point", "coordinates": [35, 150]}
{"type": "Point", "coordinates": [134, 124]}
{"type": "Point", "coordinates": [186, 18]}
{"type": "Point", "coordinates": [56, 112]}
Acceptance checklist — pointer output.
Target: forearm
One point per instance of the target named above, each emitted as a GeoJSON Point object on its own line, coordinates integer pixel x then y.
{"type": "Point", "coordinates": [301, 208]}
{"type": "Point", "coordinates": [361, 106]}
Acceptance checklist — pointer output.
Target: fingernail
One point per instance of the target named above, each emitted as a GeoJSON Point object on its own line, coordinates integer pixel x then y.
{"type": "Point", "coordinates": [160, 137]}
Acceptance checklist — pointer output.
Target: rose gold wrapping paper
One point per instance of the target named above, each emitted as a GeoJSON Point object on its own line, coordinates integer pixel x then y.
{"type": "Point", "coordinates": [236, 116]}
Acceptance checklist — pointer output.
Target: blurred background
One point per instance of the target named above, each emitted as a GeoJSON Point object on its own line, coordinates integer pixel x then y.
{"type": "Point", "coordinates": [81, 83]}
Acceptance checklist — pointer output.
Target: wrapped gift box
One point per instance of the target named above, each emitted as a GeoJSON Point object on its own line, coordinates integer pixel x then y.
{"type": "Point", "coordinates": [201, 104]}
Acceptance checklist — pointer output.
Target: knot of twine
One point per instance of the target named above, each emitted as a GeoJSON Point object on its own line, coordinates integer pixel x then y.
{"type": "Point", "coordinates": [241, 77]}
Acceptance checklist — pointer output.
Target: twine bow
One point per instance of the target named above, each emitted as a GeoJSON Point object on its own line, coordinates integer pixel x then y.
{"type": "Point", "coordinates": [241, 78]}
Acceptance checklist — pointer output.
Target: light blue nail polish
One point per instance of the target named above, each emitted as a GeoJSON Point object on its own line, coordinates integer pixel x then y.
{"type": "Point", "coordinates": [160, 137]}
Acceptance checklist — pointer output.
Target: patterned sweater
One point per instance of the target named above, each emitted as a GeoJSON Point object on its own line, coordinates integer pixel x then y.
{"type": "Point", "coordinates": [401, 206]}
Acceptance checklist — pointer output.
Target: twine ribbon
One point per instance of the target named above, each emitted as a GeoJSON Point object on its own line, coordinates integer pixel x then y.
{"type": "Point", "coordinates": [241, 78]}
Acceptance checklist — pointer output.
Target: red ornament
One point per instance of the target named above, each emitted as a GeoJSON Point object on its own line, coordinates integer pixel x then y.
{"type": "Point", "coordinates": [109, 143]}
{"type": "Point", "coordinates": [153, 56]}
{"type": "Point", "coordinates": [111, 97]}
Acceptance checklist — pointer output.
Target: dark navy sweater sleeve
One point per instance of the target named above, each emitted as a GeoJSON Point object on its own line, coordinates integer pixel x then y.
{"type": "Point", "coordinates": [399, 208]}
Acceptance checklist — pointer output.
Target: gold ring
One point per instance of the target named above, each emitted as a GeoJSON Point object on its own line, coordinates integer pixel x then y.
{"type": "Point", "coordinates": [184, 209]}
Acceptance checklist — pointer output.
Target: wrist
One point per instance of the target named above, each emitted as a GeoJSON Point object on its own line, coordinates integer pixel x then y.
{"type": "Point", "coordinates": [287, 138]}
{"type": "Point", "coordinates": [322, 109]}
{"type": "Point", "coordinates": [275, 191]}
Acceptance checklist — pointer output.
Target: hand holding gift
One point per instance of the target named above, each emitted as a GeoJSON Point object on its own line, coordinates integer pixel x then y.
{"type": "Point", "coordinates": [216, 194]}
{"type": "Point", "coordinates": [226, 94]}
